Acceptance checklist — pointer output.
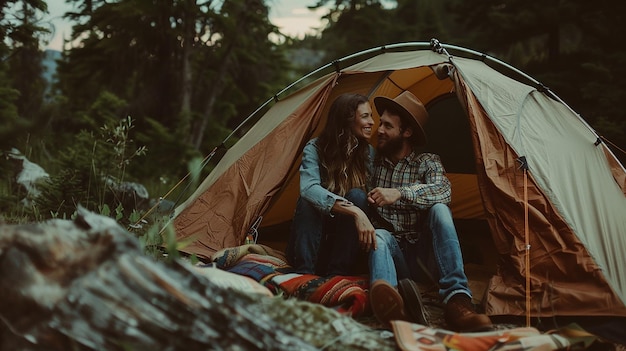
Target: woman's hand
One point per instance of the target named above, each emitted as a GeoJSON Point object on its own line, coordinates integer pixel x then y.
{"type": "Point", "coordinates": [364, 228]}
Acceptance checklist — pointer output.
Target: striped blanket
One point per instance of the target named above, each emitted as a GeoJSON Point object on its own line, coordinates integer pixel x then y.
{"type": "Point", "coordinates": [346, 294]}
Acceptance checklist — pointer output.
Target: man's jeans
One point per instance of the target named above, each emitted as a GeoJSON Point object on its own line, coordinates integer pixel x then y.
{"type": "Point", "coordinates": [325, 245]}
{"type": "Point", "coordinates": [394, 260]}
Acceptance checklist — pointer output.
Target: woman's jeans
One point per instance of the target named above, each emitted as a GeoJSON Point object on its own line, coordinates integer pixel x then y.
{"type": "Point", "coordinates": [438, 248]}
{"type": "Point", "coordinates": [326, 245]}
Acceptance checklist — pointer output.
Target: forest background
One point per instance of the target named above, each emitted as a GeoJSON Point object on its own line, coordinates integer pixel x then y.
{"type": "Point", "coordinates": [145, 89]}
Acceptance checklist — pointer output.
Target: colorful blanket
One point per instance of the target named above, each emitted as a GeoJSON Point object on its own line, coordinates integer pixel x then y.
{"type": "Point", "coordinates": [346, 294]}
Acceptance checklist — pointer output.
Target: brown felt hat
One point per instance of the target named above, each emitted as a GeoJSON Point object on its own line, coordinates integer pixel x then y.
{"type": "Point", "coordinates": [410, 107]}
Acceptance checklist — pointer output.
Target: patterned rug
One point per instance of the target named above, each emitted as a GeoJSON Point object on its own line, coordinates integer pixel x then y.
{"type": "Point", "coordinates": [346, 294]}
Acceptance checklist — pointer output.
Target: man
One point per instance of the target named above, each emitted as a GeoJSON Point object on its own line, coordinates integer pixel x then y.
{"type": "Point", "coordinates": [412, 195]}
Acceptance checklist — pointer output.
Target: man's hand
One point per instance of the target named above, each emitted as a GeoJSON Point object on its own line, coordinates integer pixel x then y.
{"type": "Point", "coordinates": [383, 196]}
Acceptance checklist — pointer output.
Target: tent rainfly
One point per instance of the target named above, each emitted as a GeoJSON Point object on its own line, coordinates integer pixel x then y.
{"type": "Point", "coordinates": [552, 194]}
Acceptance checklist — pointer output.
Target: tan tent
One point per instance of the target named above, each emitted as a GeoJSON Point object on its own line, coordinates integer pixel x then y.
{"type": "Point", "coordinates": [567, 212]}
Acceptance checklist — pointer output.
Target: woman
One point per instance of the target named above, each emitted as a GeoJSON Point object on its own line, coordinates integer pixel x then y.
{"type": "Point", "coordinates": [330, 222]}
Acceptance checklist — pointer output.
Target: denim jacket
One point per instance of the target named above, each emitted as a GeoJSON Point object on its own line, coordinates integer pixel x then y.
{"type": "Point", "coordinates": [311, 187]}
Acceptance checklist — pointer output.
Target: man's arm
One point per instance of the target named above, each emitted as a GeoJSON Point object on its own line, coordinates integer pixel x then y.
{"type": "Point", "coordinates": [433, 187]}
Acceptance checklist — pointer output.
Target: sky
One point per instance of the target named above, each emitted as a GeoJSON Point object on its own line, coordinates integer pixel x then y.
{"type": "Point", "coordinates": [291, 16]}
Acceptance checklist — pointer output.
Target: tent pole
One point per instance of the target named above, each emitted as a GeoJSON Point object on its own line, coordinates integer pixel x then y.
{"type": "Point", "coordinates": [382, 49]}
{"type": "Point", "coordinates": [434, 45]}
{"type": "Point", "coordinates": [527, 247]}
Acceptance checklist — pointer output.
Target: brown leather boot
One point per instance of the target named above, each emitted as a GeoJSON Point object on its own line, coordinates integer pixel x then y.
{"type": "Point", "coordinates": [460, 315]}
{"type": "Point", "coordinates": [386, 302]}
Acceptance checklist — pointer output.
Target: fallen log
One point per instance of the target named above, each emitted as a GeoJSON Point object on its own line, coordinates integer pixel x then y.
{"type": "Point", "coordinates": [86, 285]}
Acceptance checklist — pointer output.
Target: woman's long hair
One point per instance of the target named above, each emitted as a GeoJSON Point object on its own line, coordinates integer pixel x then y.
{"type": "Point", "coordinates": [343, 157]}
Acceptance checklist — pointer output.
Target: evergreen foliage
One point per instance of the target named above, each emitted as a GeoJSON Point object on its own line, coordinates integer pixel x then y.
{"type": "Point", "coordinates": [21, 81]}
{"type": "Point", "coordinates": [25, 67]}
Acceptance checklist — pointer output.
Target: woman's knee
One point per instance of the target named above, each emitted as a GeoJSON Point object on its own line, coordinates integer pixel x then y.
{"type": "Point", "coordinates": [358, 197]}
{"type": "Point", "coordinates": [384, 238]}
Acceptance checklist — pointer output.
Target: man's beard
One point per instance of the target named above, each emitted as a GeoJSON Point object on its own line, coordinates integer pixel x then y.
{"type": "Point", "coordinates": [391, 147]}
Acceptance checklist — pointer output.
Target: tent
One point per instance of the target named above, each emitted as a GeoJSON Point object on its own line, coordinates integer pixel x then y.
{"type": "Point", "coordinates": [550, 193]}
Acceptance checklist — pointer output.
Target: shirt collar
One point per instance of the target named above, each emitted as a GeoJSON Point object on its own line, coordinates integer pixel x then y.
{"type": "Point", "coordinates": [408, 158]}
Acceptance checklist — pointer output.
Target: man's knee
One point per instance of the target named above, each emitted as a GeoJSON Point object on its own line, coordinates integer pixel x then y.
{"type": "Point", "coordinates": [440, 218]}
{"type": "Point", "coordinates": [440, 212]}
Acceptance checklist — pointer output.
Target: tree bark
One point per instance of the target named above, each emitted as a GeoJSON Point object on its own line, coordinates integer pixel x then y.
{"type": "Point", "coordinates": [225, 67]}
{"type": "Point", "coordinates": [86, 285]}
{"type": "Point", "coordinates": [187, 76]}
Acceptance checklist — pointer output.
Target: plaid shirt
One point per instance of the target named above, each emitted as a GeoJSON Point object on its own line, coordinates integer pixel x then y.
{"type": "Point", "coordinates": [422, 183]}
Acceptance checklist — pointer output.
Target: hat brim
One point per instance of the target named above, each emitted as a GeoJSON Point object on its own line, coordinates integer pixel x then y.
{"type": "Point", "coordinates": [383, 103]}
